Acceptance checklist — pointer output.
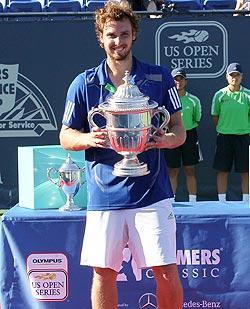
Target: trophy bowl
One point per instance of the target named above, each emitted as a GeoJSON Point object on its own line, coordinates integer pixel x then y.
{"type": "Point", "coordinates": [69, 181]}
{"type": "Point", "coordinates": [128, 115]}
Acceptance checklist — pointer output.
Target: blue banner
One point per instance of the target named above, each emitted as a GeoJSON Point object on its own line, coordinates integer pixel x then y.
{"type": "Point", "coordinates": [40, 254]}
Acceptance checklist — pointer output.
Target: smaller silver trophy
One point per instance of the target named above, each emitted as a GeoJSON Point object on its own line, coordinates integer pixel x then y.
{"type": "Point", "coordinates": [70, 180]}
{"type": "Point", "coordinates": [128, 115]}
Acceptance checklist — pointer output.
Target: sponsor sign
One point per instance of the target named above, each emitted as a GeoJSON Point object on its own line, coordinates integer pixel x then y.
{"type": "Point", "coordinates": [24, 110]}
{"type": "Point", "coordinates": [199, 263]}
{"type": "Point", "coordinates": [195, 263]}
{"type": "Point", "coordinates": [200, 47]}
{"type": "Point", "coordinates": [147, 301]}
{"type": "Point", "coordinates": [48, 276]}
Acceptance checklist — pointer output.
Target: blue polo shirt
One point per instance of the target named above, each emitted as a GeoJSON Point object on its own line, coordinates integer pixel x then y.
{"type": "Point", "coordinates": [106, 191]}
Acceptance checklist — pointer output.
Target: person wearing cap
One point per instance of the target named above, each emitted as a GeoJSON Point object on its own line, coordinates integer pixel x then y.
{"type": "Point", "coordinates": [231, 115]}
{"type": "Point", "coordinates": [188, 154]}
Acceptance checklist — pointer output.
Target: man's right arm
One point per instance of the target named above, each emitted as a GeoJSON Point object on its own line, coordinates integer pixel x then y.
{"type": "Point", "coordinates": [71, 139]}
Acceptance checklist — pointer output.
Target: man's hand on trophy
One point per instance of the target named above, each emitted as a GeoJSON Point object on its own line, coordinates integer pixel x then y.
{"type": "Point", "coordinates": [156, 139]}
{"type": "Point", "coordinates": [173, 136]}
{"type": "Point", "coordinates": [98, 137]}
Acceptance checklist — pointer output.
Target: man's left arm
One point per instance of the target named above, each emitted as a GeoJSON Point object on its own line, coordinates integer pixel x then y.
{"type": "Point", "coordinates": [172, 138]}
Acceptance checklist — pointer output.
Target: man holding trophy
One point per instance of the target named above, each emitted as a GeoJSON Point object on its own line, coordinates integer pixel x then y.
{"type": "Point", "coordinates": [111, 113]}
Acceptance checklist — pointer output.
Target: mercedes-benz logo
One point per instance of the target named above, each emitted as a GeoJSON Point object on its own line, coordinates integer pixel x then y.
{"type": "Point", "coordinates": [148, 301]}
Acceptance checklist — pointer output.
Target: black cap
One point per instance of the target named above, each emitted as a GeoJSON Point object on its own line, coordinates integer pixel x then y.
{"type": "Point", "coordinates": [234, 68]}
{"type": "Point", "coordinates": [179, 72]}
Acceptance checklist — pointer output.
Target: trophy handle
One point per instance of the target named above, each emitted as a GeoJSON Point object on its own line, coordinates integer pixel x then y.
{"type": "Point", "coordinates": [162, 110]}
{"type": "Point", "coordinates": [92, 113]}
{"type": "Point", "coordinates": [49, 170]}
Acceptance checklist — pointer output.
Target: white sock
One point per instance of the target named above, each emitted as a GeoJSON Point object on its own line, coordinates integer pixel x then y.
{"type": "Point", "coordinates": [245, 197]}
{"type": "Point", "coordinates": [192, 197]}
{"type": "Point", "coordinates": [222, 197]}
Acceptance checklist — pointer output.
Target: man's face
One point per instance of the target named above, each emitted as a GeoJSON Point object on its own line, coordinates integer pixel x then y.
{"type": "Point", "coordinates": [180, 82]}
{"type": "Point", "coordinates": [117, 39]}
{"type": "Point", "coordinates": [234, 79]}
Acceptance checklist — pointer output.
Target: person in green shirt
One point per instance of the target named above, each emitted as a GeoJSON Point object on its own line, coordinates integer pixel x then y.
{"type": "Point", "coordinates": [231, 115]}
{"type": "Point", "coordinates": [188, 154]}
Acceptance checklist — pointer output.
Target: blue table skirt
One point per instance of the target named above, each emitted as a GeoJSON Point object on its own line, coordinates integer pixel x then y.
{"type": "Point", "coordinates": [40, 253]}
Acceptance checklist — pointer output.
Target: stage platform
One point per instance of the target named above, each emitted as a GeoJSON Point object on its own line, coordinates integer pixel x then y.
{"type": "Point", "coordinates": [40, 253]}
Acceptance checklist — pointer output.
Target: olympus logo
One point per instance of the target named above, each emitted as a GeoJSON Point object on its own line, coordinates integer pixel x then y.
{"type": "Point", "coordinates": [48, 276]}
{"type": "Point", "coordinates": [47, 261]}
{"type": "Point", "coordinates": [199, 47]}
{"type": "Point", "coordinates": [147, 301]}
{"type": "Point", "coordinates": [24, 110]}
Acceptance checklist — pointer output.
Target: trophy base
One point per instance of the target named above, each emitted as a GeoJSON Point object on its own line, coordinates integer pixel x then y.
{"type": "Point", "coordinates": [67, 207]}
{"type": "Point", "coordinates": [130, 168]}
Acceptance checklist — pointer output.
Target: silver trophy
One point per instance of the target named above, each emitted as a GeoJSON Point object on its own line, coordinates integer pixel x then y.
{"type": "Point", "coordinates": [128, 115]}
{"type": "Point", "coordinates": [70, 180]}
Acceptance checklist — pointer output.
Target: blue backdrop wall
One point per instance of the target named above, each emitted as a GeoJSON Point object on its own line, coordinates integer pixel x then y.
{"type": "Point", "coordinates": [39, 58]}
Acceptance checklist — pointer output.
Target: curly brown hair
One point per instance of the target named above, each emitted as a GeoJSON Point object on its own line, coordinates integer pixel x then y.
{"type": "Point", "coordinates": [115, 10]}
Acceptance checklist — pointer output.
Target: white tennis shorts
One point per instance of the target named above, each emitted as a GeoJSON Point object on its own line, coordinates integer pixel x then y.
{"type": "Point", "coordinates": [149, 232]}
